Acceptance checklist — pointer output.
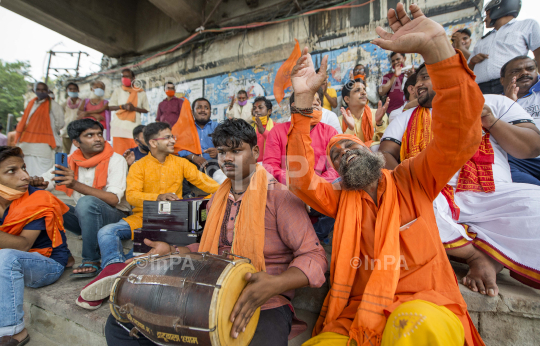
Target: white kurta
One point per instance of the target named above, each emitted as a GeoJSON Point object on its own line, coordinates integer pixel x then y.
{"type": "Point", "coordinates": [39, 157]}
{"type": "Point", "coordinates": [241, 112]}
{"type": "Point", "coordinates": [505, 222]}
{"type": "Point", "coordinates": [124, 128]}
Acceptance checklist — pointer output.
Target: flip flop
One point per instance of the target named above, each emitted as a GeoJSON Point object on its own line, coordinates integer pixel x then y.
{"type": "Point", "coordinates": [87, 274]}
{"type": "Point", "coordinates": [9, 341]}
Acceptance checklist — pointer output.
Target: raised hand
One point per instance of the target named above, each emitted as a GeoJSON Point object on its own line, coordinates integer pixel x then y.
{"type": "Point", "coordinates": [305, 81]}
{"type": "Point", "coordinates": [398, 70]}
{"type": "Point", "coordinates": [511, 91]}
{"type": "Point", "coordinates": [348, 118]}
{"type": "Point", "coordinates": [381, 110]}
{"type": "Point", "coordinates": [419, 35]}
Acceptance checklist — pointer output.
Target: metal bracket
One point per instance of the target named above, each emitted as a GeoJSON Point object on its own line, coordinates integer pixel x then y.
{"type": "Point", "coordinates": [176, 326]}
{"type": "Point", "coordinates": [233, 255]}
{"type": "Point", "coordinates": [160, 280]}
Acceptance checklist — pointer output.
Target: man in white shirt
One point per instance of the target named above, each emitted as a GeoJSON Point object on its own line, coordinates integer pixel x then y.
{"type": "Point", "coordinates": [126, 104]}
{"type": "Point", "coordinates": [38, 132]}
{"type": "Point", "coordinates": [96, 179]}
{"type": "Point", "coordinates": [508, 39]}
{"type": "Point", "coordinates": [483, 217]}
{"type": "Point", "coordinates": [519, 77]}
{"type": "Point", "coordinates": [242, 108]}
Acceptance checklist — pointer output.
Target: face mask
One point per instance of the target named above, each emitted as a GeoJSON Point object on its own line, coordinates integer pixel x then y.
{"type": "Point", "coordinates": [142, 146]}
{"type": "Point", "coordinates": [170, 93]}
{"type": "Point", "coordinates": [42, 95]}
{"type": "Point", "coordinates": [242, 103]}
{"type": "Point", "coordinates": [73, 94]}
{"type": "Point", "coordinates": [126, 82]}
{"type": "Point", "coordinates": [99, 92]}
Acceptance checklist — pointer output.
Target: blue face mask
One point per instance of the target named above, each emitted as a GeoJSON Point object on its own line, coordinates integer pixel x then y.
{"type": "Point", "coordinates": [73, 94]}
{"type": "Point", "coordinates": [99, 92]}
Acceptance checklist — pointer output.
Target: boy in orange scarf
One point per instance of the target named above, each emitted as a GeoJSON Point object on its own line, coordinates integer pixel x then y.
{"type": "Point", "coordinates": [33, 249]}
{"type": "Point", "coordinates": [391, 282]}
{"type": "Point", "coordinates": [96, 179]}
{"type": "Point", "coordinates": [126, 104]}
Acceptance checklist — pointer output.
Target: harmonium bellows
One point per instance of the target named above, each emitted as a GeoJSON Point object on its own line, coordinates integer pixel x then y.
{"type": "Point", "coordinates": [174, 222]}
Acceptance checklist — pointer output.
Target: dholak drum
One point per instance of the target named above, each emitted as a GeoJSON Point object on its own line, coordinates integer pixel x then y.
{"type": "Point", "coordinates": [183, 299]}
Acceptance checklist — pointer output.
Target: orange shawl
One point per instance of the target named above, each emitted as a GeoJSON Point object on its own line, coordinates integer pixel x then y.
{"type": "Point", "coordinates": [28, 208]}
{"type": "Point", "coordinates": [370, 320]}
{"type": "Point", "coordinates": [101, 162]}
{"type": "Point", "coordinates": [367, 126]}
{"type": "Point", "coordinates": [133, 98]}
{"type": "Point", "coordinates": [476, 175]}
{"type": "Point", "coordinates": [38, 129]}
{"type": "Point", "coordinates": [249, 233]}
{"type": "Point", "coordinates": [186, 131]}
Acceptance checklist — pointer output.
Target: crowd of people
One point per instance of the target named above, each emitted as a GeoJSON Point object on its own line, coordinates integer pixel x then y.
{"type": "Point", "coordinates": [446, 167]}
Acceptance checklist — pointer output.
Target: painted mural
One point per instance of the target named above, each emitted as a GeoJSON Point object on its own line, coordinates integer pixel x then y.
{"type": "Point", "coordinates": [259, 81]}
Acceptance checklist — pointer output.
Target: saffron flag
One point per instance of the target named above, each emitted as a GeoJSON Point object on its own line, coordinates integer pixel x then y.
{"type": "Point", "coordinates": [186, 131]}
{"type": "Point", "coordinates": [283, 76]}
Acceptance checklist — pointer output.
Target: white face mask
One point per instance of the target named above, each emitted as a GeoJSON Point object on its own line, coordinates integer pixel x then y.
{"type": "Point", "coordinates": [99, 92]}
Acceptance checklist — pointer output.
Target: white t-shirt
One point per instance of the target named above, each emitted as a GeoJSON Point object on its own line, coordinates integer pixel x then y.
{"type": "Point", "coordinates": [331, 118]}
{"type": "Point", "coordinates": [513, 114]}
{"type": "Point", "coordinates": [531, 103]}
{"type": "Point", "coordinates": [513, 39]}
{"type": "Point", "coordinates": [124, 128]}
{"type": "Point", "coordinates": [116, 180]}
{"type": "Point", "coordinates": [395, 113]}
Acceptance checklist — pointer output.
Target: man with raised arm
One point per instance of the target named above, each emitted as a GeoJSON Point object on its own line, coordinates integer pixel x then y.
{"type": "Point", "coordinates": [391, 282]}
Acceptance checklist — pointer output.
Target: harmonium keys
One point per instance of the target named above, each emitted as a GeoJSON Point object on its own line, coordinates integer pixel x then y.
{"type": "Point", "coordinates": [174, 222]}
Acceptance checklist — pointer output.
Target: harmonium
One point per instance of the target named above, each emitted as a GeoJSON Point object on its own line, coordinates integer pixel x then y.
{"type": "Point", "coordinates": [175, 222]}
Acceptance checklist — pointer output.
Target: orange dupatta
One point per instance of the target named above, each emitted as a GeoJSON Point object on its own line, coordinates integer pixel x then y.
{"type": "Point", "coordinates": [186, 131]}
{"type": "Point", "coordinates": [28, 208]}
{"type": "Point", "coordinates": [133, 98]}
{"type": "Point", "coordinates": [101, 162]}
{"type": "Point", "coordinates": [476, 175]}
{"type": "Point", "coordinates": [38, 130]}
{"type": "Point", "coordinates": [249, 233]}
{"type": "Point", "coordinates": [367, 126]}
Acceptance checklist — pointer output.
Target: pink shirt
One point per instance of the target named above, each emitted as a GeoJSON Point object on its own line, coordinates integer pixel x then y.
{"type": "Point", "coordinates": [276, 150]}
{"type": "Point", "coordinates": [261, 140]}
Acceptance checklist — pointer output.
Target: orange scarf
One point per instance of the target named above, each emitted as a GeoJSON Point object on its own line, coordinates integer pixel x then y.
{"type": "Point", "coordinates": [133, 98]}
{"type": "Point", "coordinates": [249, 233]}
{"type": "Point", "coordinates": [360, 76]}
{"type": "Point", "coordinates": [315, 119]}
{"type": "Point", "coordinates": [28, 208]}
{"type": "Point", "coordinates": [186, 131]}
{"type": "Point", "coordinates": [367, 126]}
{"type": "Point", "coordinates": [370, 320]}
{"type": "Point", "coordinates": [38, 129]}
{"type": "Point", "coordinates": [476, 175]}
{"type": "Point", "coordinates": [101, 162]}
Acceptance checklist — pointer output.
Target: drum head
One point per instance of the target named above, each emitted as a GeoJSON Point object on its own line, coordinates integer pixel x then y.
{"type": "Point", "coordinates": [232, 283]}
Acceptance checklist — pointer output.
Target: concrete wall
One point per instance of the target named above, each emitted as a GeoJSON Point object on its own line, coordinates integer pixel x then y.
{"type": "Point", "coordinates": [250, 60]}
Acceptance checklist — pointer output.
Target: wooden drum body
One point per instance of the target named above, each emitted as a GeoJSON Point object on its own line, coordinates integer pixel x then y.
{"type": "Point", "coordinates": [183, 299]}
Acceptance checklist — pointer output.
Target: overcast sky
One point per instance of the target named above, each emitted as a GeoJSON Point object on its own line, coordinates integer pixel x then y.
{"type": "Point", "coordinates": [23, 39]}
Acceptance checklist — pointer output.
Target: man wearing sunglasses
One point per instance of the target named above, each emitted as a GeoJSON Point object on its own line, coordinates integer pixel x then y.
{"type": "Point", "coordinates": [156, 177]}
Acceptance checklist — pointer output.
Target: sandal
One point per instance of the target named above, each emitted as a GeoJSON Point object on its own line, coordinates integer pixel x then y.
{"type": "Point", "coordinates": [87, 274]}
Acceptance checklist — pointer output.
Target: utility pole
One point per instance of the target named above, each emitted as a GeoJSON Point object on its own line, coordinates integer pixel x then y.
{"type": "Point", "coordinates": [48, 67]}
{"type": "Point", "coordinates": [76, 69]}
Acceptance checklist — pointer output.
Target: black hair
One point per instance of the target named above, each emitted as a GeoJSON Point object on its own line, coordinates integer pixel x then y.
{"type": "Point", "coordinates": [171, 83]}
{"type": "Point", "coordinates": [465, 31]}
{"type": "Point", "coordinates": [394, 53]}
{"type": "Point", "coordinates": [131, 71]}
{"type": "Point", "coordinates": [410, 81]}
{"type": "Point", "coordinates": [151, 130]}
{"type": "Point", "coordinates": [521, 57]}
{"type": "Point", "coordinates": [46, 86]}
{"type": "Point", "coordinates": [266, 101]}
{"type": "Point", "coordinates": [8, 151]}
{"type": "Point", "coordinates": [71, 83]}
{"type": "Point", "coordinates": [242, 92]}
{"type": "Point", "coordinates": [420, 68]}
{"type": "Point", "coordinates": [234, 132]}
{"type": "Point", "coordinates": [197, 100]}
{"type": "Point", "coordinates": [77, 127]}
{"type": "Point", "coordinates": [347, 88]}
{"type": "Point", "coordinates": [137, 130]}
{"type": "Point", "coordinates": [319, 92]}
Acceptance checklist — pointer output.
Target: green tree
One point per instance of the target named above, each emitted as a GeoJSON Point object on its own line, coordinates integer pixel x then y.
{"type": "Point", "coordinates": [12, 88]}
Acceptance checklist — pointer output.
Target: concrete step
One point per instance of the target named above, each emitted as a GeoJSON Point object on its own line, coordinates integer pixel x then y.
{"type": "Point", "coordinates": [75, 244]}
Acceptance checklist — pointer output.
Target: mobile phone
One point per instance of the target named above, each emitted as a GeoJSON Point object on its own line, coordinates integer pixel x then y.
{"type": "Point", "coordinates": [62, 160]}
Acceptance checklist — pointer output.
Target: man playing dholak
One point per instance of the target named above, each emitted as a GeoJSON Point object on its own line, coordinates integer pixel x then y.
{"type": "Point", "coordinates": [253, 215]}
{"type": "Point", "coordinates": [403, 292]}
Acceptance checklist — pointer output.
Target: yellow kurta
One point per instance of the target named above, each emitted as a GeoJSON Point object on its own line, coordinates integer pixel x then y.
{"type": "Point", "coordinates": [148, 178]}
{"type": "Point", "coordinates": [379, 130]}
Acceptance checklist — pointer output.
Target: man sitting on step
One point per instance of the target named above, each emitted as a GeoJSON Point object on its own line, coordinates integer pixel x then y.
{"type": "Point", "coordinates": [156, 177]}
{"type": "Point", "coordinates": [96, 179]}
{"type": "Point", "coordinates": [33, 250]}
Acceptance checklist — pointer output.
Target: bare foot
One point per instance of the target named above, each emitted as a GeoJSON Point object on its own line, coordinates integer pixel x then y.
{"type": "Point", "coordinates": [482, 274]}
{"type": "Point", "coordinates": [20, 337]}
{"type": "Point", "coordinates": [70, 262]}
{"type": "Point", "coordinates": [86, 269]}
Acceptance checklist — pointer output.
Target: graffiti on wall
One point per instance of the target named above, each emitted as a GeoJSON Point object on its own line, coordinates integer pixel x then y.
{"type": "Point", "coordinates": [259, 81]}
